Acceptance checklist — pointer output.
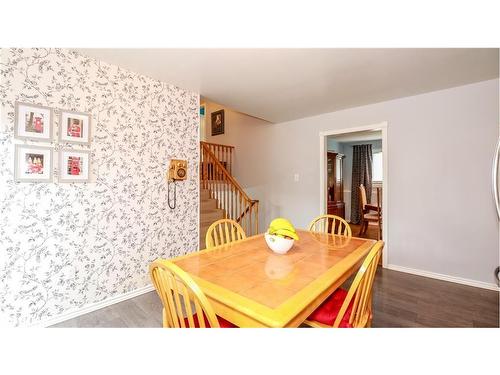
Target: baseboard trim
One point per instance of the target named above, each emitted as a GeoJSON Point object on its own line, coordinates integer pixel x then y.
{"type": "Point", "coordinates": [438, 276]}
{"type": "Point", "coordinates": [92, 307]}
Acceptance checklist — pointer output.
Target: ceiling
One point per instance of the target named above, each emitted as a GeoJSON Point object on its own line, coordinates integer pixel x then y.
{"type": "Point", "coordinates": [285, 84]}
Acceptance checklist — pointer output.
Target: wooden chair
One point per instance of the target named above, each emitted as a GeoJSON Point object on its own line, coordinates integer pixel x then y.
{"type": "Point", "coordinates": [330, 224]}
{"type": "Point", "coordinates": [222, 232]}
{"type": "Point", "coordinates": [353, 308]}
{"type": "Point", "coordinates": [184, 304]}
{"type": "Point", "coordinates": [369, 213]}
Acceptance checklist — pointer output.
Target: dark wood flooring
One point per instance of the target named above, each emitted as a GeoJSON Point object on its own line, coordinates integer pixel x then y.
{"type": "Point", "coordinates": [404, 300]}
{"type": "Point", "coordinates": [371, 232]}
{"type": "Point", "coordinates": [399, 300]}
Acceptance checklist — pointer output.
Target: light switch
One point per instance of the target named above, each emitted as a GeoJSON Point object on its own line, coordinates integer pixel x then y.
{"type": "Point", "coordinates": [296, 177]}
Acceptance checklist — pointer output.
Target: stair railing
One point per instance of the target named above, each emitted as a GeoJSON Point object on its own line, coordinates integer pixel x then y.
{"type": "Point", "coordinates": [223, 153]}
{"type": "Point", "coordinates": [230, 196]}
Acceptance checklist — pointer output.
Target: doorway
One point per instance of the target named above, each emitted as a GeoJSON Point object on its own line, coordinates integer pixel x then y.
{"type": "Point", "coordinates": [363, 149]}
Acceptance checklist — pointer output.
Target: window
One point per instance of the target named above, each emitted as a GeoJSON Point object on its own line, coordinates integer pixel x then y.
{"type": "Point", "coordinates": [377, 171]}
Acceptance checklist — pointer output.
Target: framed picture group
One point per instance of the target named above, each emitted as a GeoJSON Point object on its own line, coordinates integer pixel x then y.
{"type": "Point", "coordinates": [36, 163]}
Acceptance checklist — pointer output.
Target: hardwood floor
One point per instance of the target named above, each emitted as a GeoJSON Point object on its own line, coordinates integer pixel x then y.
{"type": "Point", "coordinates": [404, 300]}
{"type": "Point", "coordinates": [143, 311]}
{"type": "Point", "coordinates": [399, 300]}
{"type": "Point", "coordinates": [371, 232]}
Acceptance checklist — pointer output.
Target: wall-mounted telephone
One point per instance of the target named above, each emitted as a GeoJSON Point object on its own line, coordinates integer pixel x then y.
{"type": "Point", "coordinates": [177, 171]}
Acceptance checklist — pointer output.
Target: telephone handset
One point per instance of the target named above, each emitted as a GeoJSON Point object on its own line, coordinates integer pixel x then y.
{"type": "Point", "coordinates": [177, 171]}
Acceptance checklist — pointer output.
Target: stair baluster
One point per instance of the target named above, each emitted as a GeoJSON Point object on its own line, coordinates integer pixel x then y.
{"type": "Point", "coordinates": [215, 176]}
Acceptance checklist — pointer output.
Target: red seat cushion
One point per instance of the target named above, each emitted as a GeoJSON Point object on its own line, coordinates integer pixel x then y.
{"type": "Point", "coordinates": [327, 312]}
{"type": "Point", "coordinates": [222, 322]}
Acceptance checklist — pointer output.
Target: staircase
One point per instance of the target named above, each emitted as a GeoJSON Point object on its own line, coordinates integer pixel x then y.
{"type": "Point", "coordinates": [209, 213]}
{"type": "Point", "coordinates": [220, 194]}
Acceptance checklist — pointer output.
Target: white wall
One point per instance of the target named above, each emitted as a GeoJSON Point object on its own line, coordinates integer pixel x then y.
{"type": "Point", "coordinates": [440, 148]}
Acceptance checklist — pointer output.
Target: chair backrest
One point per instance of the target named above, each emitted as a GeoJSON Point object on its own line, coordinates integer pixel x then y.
{"type": "Point", "coordinates": [362, 196]}
{"type": "Point", "coordinates": [222, 232]}
{"type": "Point", "coordinates": [360, 292]}
{"type": "Point", "coordinates": [330, 224]}
{"type": "Point", "coordinates": [181, 297]}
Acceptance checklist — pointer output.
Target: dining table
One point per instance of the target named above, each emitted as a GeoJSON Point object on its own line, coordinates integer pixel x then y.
{"type": "Point", "coordinates": [251, 286]}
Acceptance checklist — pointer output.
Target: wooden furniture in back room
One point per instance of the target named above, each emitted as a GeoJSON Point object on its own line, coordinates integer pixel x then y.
{"type": "Point", "coordinates": [335, 184]}
{"type": "Point", "coordinates": [370, 212]}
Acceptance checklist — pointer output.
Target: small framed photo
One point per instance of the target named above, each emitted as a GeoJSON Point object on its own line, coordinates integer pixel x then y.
{"type": "Point", "coordinates": [33, 163]}
{"type": "Point", "coordinates": [74, 165]}
{"type": "Point", "coordinates": [33, 122]}
{"type": "Point", "coordinates": [74, 127]}
{"type": "Point", "coordinates": [218, 122]}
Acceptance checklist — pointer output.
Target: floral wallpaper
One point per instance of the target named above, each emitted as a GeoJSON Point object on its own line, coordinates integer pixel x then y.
{"type": "Point", "coordinates": [63, 246]}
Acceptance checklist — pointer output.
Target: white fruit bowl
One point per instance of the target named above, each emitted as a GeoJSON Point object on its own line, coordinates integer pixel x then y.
{"type": "Point", "coordinates": [278, 244]}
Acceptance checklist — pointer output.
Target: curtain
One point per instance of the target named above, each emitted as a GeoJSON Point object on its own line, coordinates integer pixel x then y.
{"type": "Point", "coordinates": [361, 174]}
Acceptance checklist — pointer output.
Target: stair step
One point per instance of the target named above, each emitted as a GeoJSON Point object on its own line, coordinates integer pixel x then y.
{"type": "Point", "coordinates": [209, 213]}
{"type": "Point", "coordinates": [210, 216]}
{"type": "Point", "coordinates": [204, 194]}
{"type": "Point", "coordinates": [203, 233]}
{"type": "Point", "coordinates": [208, 204]}
{"type": "Point", "coordinates": [203, 230]}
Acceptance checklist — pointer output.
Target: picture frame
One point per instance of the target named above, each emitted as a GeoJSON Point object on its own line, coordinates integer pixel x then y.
{"type": "Point", "coordinates": [217, 122]}
{"type": "Point", "coordinates": [74, 127]}
{"type": "Point", "coordinates": [74, 165]}
{"type": "Point", "coordinates": [33, 122]}
{"type": "Point", "coordinates": [33, 163]}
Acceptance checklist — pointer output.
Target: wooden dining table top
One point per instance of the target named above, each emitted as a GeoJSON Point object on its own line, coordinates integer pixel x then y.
{"type": "Point", "coordinates": [251, 286]}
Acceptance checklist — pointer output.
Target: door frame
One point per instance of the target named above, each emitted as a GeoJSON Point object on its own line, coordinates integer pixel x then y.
{"type": "Point", "coordinates": [323, 175]}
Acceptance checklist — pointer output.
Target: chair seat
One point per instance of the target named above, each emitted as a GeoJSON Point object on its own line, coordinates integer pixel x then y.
{"type": "Point", "coordinates": [328, 311]}
{"type": "Point", "coordinates": [370, 217]}
{"type": "Point", "coordinates": [222, 322]}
